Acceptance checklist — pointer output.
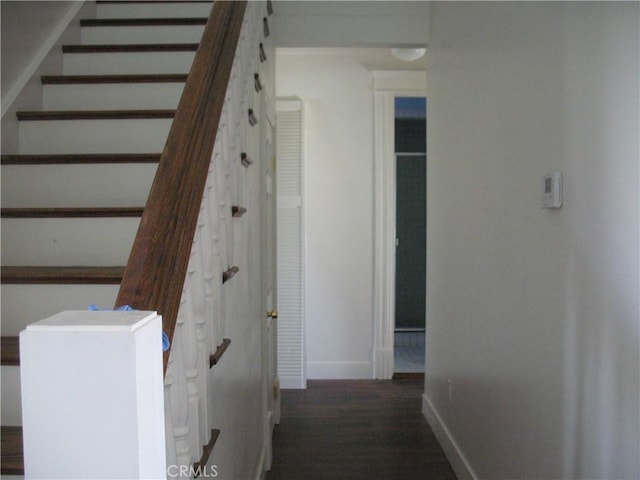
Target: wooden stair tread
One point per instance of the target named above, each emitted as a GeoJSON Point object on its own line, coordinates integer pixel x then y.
{"type": "Point", "coordinates": [71, 212]}
{"type": "Point", "coordinates": [61, 275]}
{"type": "Point", "coordinates": [12, 461]}
{"type": "Point", "coordinates": [136, 47]}
{"type": "Point", "coordinates": [94, 114]}
{"type": "Point", "coordinates": [92, 79]}
{"type": "Point", "coordinates": [237, 211]}
{"type": "Point", "coordinates": [215, 357]}
{"type": "Point", "coordinates": [142, 22]}
{"type": "Point", "coordinates": [9, 351]}
{"type": "Point", "coordinates": [83, 158]}
{"type": "Point", "coordinates": [229, 273]}
{"type": "Point", "coordinates": [206, 450]}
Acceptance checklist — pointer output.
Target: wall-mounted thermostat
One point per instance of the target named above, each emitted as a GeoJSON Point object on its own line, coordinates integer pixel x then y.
{"type": "Point", "coordinates": [552, 190]}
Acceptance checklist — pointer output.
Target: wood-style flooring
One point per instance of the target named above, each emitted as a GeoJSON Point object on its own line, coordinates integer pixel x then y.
{"type": "Point", "coordinates": [356, 429]}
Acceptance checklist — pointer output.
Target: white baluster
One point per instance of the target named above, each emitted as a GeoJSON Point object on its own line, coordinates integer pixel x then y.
{"type": "Point", "coordinates": [222, 177]}
{"type": "Point", "coordinates": [179, 401]}
{"type": "Point", "coordinates": [172, 456]}
{"type": "Point", "coordinates": [190, 357]}
{"type": "Point", "coordinates": [207, 246]}
{"type": "Point", "coordinates": [199, 345]}
{"type": "Point", "coordinates": [218, 299]}
{"type": "Point", "coordinates": [217, 264]}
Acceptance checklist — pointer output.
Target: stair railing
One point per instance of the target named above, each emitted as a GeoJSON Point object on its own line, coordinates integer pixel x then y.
{"type": "Point", "coordinates": [158, 264]}
{"type": "Point", "coordinates": [183, 248]}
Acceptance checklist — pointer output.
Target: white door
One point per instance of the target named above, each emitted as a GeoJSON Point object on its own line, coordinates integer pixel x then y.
{"type": "Point", "coordinates": [290, 243]}
{"type": "Point", "coordinates": [271, 384]}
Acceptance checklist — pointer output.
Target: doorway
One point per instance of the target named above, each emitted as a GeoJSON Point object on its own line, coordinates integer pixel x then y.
{"type": "Point", "coordinates": [410, 272]}
{"type": "Point", "coordinates": [388, 86]}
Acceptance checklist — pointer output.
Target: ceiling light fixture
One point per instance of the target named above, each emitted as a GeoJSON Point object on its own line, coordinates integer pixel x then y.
{"type": "Point", "coordinates": [408, 54]}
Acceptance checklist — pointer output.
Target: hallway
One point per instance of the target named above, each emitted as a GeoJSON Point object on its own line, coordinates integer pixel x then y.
{"type": "Point", "coordinates": [356, 429]}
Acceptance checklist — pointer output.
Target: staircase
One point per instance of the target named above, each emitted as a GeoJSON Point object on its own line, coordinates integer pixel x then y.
{"type": "Point", "coordinates": [73, 194]}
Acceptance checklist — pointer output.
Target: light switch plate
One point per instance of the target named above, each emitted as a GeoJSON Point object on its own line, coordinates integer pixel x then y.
{"type": "Point", "coordinates": [552, 190]}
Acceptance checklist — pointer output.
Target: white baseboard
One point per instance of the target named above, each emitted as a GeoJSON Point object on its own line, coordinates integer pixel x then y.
{"type": "Point", "coordinates": [456, 458]}
{"type": "Point", "coordinates": [339, 370]}
{"type": "Point", "coordinates": [384, 363]}
{"type": "Point", "coordinates": [260, 472]}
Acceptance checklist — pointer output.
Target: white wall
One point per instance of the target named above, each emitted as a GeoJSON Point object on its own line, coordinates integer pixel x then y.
{"type": "Point", "coordinates": [32, 34]}
{"type": "Point", "coordinates": [338, 142]}
{"type": "Point", "coordinates": [532, 315]}
{"type": "Point", "coordinates": [350, 23]}
{"type": "Point", "coordinates": [26, 27]}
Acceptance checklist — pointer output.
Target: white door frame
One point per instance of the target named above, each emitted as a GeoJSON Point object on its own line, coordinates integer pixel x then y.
{"type": "Point", "coordinates": [387, 86]}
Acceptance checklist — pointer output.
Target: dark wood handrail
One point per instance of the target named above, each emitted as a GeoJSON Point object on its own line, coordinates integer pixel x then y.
{"type": "Point", "coordinates": [155, 273]}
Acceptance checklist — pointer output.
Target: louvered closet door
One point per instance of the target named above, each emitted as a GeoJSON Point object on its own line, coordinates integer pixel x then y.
{"type": "Point", "coordinates": [290, 243]}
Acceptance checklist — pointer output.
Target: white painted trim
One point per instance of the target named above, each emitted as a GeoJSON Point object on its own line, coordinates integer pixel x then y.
{"type": "Point", "coordinates": [38, 58]}
{"type": "Point", "coordinates": [387, 85]}
{"type": "Point", "coordinates": [292, 382]}
{"type": "Point", "coordinates": [459, 463]}
{"type": "Point", "coordinates": [304, 188]}
{"type": "Point", "coordinates": [260, 472]}
{"type": "Point", "coordinates": [383, 363]}
{"type": "Point", "coordinates": [339, 370]}
{"type": "Point", "coordinates": [384, 234]}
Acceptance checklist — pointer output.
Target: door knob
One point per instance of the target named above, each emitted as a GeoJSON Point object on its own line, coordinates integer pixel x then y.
{"type": "Point", "coordinates": [272, 314]}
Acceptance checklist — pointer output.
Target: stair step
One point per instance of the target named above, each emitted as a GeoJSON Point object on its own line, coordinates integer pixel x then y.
{"type": "Point", "coordinates": [137, 22]}
{"type": "Point", "coordinates": [12, 461]}
{"type": "Point", "coordinates": [112, 96]}
{"type": "Point", "coordinates": [94, 115]}
{"type": "Point", "coordinates": [19, 308]}
{"type": "Point", "coordinates": [10, 351]}
{"type": "Point", "coordinates": [93, 132]}
{"type": "Point", "coordinates": [61, 275]}
{"type": "Point", "coordinates": [129, 60]}
{"type": "Point", "coordinates": [136, 47]}
{"type": "Point", "coordinates": [153, 9]}
{"type": "Point", "coordinates": [69, 159]}
{"type": "Point", "coordinates": [61, 212]}
{"type": "Point", "coordinates": [101, 79]}
{"type": "Point", "coordinates": [10, 394]}
{"type": "Point", "coordinates": [67, 240]}
{"type": "Point", "coordinates": [11, 401]}
{"type": "Point", "coordinates": [142, 30]}
{"type": "Point", "coordinates": [77, 181]}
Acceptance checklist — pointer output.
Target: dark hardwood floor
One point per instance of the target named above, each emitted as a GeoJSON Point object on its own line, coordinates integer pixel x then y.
{"type": "Point", "coordinates": [356, 429]}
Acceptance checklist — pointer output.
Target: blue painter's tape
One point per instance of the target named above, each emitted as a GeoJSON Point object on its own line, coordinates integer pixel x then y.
{"type": "Point", "coordinates": [127, 308]}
